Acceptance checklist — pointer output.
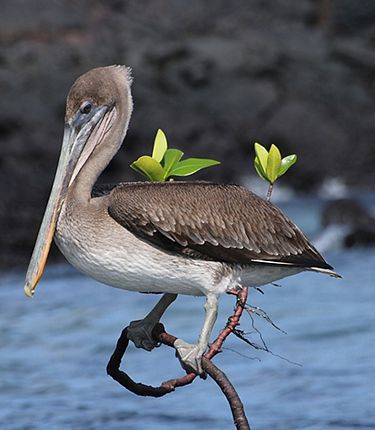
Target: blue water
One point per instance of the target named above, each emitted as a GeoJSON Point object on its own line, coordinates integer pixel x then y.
{"type": "Point", "coordinates": [54, 350]}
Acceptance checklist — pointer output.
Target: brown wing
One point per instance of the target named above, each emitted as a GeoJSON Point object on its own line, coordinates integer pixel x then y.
{"type": "Point", "coordinates": [224, 223]}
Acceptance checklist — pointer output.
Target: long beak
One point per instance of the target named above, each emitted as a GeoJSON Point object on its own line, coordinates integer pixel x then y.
{"type": "Point", "coordinates": [74, 141]}
{"type": "Point", "coordinates": [47, 228]}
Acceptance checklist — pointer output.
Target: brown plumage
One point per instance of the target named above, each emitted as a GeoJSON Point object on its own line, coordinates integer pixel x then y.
{"type": "Point", "coordinates": [101, 86]}
{"type": "Point", "coordinates": [225, 223]}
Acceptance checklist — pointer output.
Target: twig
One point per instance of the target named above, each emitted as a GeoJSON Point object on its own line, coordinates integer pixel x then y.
{"type": "Point", "coordinates": [269, 191]}
{"type": "Point", "coordinates": [242, 335]}
{"type": "Point", "coordinates": [232, 322]}
{"type": "Point", "coordinates": [160, 335]}
{"type": "Point", "coordinates": [261, 313]}
{"type": "Point", "coordinates": [113, 369]}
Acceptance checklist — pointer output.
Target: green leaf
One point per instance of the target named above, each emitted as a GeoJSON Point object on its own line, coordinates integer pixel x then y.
{"type": "Point", "coordinates": [259, 169]}
{"type": "Point", "coordinates": [149, 167]}
{"type": "Point", "coordinates": [262, 155]}
{"type": "Point", "coordinates": [273, 163]}
{"type": "Point", "coordinates": [286, 163]}
{"type": "Point", "coordinates": [191, 165]}
{"type": "Point", "coordinates": [171, 158]}
{"type": "Point", "coordinates": [160, 146]}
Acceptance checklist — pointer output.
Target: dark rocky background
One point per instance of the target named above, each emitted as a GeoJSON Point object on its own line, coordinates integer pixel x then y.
{"type": "Point", "coordinates": [214, 75]}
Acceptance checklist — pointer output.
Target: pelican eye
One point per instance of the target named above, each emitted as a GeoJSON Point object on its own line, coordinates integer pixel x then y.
{"type": "Point", "coordinates": [86, 108]}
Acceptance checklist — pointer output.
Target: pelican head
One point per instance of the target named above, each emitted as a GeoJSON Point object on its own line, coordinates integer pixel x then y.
{"type": "Point", "coordinates": [97, 101]}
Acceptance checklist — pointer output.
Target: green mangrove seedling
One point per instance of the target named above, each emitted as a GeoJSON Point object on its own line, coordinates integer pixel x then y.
{"type": "Point", "coordinates": [270, 166]}
{"type": "Point", "coordinates": [167, 162]}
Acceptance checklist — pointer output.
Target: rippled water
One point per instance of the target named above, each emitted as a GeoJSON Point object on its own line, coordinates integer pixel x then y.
{"type": "Point", "coordinates": [54, 350]}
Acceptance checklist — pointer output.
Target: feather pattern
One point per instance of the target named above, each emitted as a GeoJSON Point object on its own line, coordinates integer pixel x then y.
{"type": "Point", "coordinates": [225, 223]}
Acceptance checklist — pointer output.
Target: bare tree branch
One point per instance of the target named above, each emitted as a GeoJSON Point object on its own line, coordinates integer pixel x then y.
{"type": "Point", "coordinates": [160, 335]}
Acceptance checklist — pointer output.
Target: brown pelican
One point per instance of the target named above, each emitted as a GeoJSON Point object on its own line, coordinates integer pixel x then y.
{"type": "Point", "coordinates": [192, 238]}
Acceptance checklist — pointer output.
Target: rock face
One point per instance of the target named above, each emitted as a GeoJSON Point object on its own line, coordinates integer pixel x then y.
{"type": "Point", "coordinates": [214, 75]}
{"type": "Point", "coordinates": [346, 223]}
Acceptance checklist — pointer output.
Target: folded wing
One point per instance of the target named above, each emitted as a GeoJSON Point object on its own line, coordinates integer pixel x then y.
{"type": "Point", "coordinates": [202, 220]}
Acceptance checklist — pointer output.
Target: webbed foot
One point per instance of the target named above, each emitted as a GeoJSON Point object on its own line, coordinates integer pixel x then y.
{"type": "Point", "coordinates": [190, 356]}
{"type": "Point", "coordinates": [140, 333]}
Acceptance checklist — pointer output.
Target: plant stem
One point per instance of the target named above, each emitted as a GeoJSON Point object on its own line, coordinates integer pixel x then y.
{"type": "Point", "coordinates": [269, 192]}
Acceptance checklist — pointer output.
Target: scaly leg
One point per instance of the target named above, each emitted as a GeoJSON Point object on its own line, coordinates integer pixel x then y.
{"type": "Point", "coordinates": [191, 355]}
{"type": "Point", "coordinates": [140, 331]}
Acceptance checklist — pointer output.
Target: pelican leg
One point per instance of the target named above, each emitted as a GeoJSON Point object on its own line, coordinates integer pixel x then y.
{"type": "Point", "coordinates": [191, 355]}
{"type": "Point", "coordinates": [140, 331]}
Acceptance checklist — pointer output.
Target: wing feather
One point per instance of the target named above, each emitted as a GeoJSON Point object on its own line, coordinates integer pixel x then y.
{"type": "Point", "coordinates": [219, 222]}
